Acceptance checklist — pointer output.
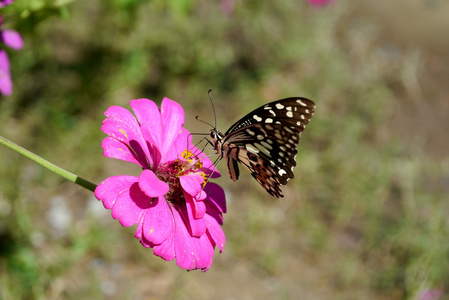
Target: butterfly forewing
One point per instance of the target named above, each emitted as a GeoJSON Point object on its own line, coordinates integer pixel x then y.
{"type": "Point", "coordinates": [265, 141]}
{"type": "Point", "coordinates": [289, 110]}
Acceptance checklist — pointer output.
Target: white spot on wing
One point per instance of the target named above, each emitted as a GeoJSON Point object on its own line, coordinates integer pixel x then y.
{"type": "Point", "coordinates": [288, 130]}
{"type": "Point", "coordinates": [266, 145]}
{"type": "Point", "coordinates": [301, 103]}
{"type": "Point", "coordinates": [257, 118]}
{"type": "Point", "coordinates": [251, 149]}
{"type": "Point", "coordinates": [268, 120]}
{"type": "Point", "coordinates": [282, 172]}
{"type": "Point", "coordinates": [272, 112]}
{"type": "Point", "coordinates": [263, 149]}
{"type": "Point", "coordinates": [250, 132]}
{"type": "Point", "coordinates": [279, 106]}
{"type": "Point", "coordinates": [289, 114]}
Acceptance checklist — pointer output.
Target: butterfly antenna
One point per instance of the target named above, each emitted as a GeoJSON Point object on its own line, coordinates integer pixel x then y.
{"type": "Point", "coordinates": [204, 122]}
{"type": "Point", "coordinates": [213, 108]}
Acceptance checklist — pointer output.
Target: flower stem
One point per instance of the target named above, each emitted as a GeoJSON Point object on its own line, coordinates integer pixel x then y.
{"type": "Point", "coordinates": [45, 163]}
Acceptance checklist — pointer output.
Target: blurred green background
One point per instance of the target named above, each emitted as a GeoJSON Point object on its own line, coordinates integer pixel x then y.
{"type": "Point", "coordinates": [365, 216]}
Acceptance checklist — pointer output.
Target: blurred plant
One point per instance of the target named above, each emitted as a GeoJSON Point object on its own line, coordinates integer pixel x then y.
{"type": "Point", "coordinates": [319, 3]}
{"type": "Point", "coordinates": [178, 212]}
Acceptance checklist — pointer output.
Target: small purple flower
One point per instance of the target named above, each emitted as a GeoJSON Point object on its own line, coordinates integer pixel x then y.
{"type": "Point", "coordinates": [5, 76]}
{"type": "Point", "coordinates": [434, 294]}
{"type": "Point", "coordinates": [4, 3]}
{"type": "Point", "coordinates": [227, 7]}
{"type": "Point", "coordinates": [13, 40]}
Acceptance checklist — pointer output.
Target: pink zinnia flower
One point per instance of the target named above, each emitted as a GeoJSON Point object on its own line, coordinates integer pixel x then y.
{"type": "Point", "coordinates": [176, 216]}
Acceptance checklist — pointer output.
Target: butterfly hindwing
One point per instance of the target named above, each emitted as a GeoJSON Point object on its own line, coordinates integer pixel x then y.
{"type": "Point", "coordinates": [275, 144]}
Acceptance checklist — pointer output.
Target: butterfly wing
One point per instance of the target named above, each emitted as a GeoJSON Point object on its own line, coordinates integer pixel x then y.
{"type": "Point", "coordinates": [265, 141]}
{"type": "Point", "coordinates": [285, 111]}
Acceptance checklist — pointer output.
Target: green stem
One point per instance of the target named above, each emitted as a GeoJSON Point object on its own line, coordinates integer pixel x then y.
{"type": "Point", "coordinates": [45, 163]}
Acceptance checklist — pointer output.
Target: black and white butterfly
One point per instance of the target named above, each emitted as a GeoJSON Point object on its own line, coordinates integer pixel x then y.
{"type": "Point", "coordinates": [264, 141]}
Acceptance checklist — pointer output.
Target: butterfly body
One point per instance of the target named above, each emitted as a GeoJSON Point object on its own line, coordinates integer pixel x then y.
{"type": "Point", "coordinates": [264, 142]}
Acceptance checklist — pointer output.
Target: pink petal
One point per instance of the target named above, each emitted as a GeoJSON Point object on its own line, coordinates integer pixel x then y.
{"type": "Point", "coordinates": [129, 206]}
{"type": "Point", "coordinates": [158, 223]}
{"type": "Point", "coordinates": [115, 149]}
{"type": "Point", "coordinates": [179, 145]}
{"type": "Point", "coordinates": [166, 250]}
{"type": "Point", "coordinates": [213, 212]}
{"type": "Point", "coordinates": [216, 196]}
{"type": "Point", "coordinates": [215, 231]}
{"type": "Point", "coordinates": [194, 218]}
{"type": "Point", "coordinates": [192, 183]}
{"type": "Point", "coordinates": [121, 125]}
{"type": "Point", "coordinates": [182, 242]}
{"type": "Point", "coordinates": [151, 185]}
{"type": "Point", "coordinates": [148, 114]}
{"type": "Point", "coordinates": [112, 187]}
{"type": "Point", "coordinates": [149, 118]}
{"type": "Point", "coordinates": [172, 117]}
{"type": "Point", "coordinates": [204, 253]}
{"type": "Point", "coordinates": [5, 77]}
{"type": "Point", "coordinates": [12, 39]}
{"type": "Point", "coordinates": [191, 252]}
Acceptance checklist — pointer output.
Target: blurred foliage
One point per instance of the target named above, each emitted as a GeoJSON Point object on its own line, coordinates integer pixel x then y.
{"type": "Point", "coordinates": [364, 219]}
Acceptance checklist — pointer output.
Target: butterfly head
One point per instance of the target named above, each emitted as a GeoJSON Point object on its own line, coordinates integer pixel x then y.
{"type": "Point", "coordinates": [217, 138]}
{"type": "Point", "coordinates": [216, 135]}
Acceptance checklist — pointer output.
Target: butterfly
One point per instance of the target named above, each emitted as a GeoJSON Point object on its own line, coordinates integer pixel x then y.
{"type": "Point", "coordinates": [264, 142]}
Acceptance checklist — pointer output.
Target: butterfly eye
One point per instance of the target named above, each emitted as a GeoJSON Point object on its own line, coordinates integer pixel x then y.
{"type": "Point", "coordinates": [213, 134]}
